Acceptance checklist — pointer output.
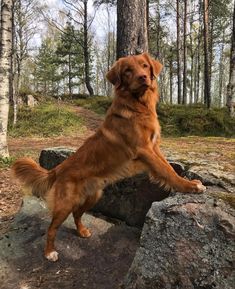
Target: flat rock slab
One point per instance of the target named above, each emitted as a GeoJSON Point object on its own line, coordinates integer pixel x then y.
{"type": "Point", "coordinates": [99, 262]}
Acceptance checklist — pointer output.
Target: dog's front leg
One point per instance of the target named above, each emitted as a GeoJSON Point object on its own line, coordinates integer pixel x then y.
{"type": "Point", "coordinates": [162, 171]}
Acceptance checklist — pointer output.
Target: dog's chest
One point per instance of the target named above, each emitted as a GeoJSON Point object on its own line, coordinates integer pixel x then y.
{"type": "Point", "coordinates": [154, 137]}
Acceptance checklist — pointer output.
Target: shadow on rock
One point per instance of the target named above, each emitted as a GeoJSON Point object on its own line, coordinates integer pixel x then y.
{"type": "Point", "coordinates": [99, 262]}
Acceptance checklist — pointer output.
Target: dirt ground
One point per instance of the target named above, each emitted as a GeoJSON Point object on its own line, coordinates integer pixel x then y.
{"type": "Point", "coordinates": [208, 151]}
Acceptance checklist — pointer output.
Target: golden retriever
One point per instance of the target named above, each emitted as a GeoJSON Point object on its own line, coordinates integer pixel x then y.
{"type": "Point", "coordinates": [126, 144]}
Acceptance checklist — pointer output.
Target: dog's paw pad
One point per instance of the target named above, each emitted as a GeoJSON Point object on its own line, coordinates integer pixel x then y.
{"type": "Point", "coordinates": [52, 256]}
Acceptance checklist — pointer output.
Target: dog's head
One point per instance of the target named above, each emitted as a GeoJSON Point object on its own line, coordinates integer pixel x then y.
{"type": "Point", "coordinates": [135, 73]}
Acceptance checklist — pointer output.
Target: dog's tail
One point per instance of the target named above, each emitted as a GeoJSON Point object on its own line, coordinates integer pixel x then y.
{"type": "Point", "coordinates": [28, 172]}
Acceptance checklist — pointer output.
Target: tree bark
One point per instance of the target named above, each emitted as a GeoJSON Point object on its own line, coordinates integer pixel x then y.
{"type": "Point", "coordinates": [198, 58]}
{"type": "Point", "coordinates": [221, 71]}
{"type": "Point", "coordinates": [87, 51]}
{"type": "Point", "coordinates": [231, 83]}
{"type": "Point", "coordinates": [132, 35]}
{"type": "Point", "coordinates": [178, 52]}
{"type": "Point", "coordinates": [207, 96]}
{"type": "Point", "coordinates": [185, 54]}
{"type": "Point", "coordinates": [5, 71]}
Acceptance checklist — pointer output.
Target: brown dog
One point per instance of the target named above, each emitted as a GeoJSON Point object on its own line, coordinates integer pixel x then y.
{"type": "Point", "coordinates": [126, 143]}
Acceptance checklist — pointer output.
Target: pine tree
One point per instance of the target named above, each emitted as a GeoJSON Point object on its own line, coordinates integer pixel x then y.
{"type": "Point", "coordinates": [47, 73]}
{"type": "Point", "coordinates": [70, 58]}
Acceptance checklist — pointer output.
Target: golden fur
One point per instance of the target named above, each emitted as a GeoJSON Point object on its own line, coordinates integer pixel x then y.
{"type": "Point", "coordinates": [126, 143]}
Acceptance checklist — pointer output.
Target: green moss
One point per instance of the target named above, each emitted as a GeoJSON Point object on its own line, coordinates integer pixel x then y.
{"type": "Point", "coordinates": [45, 120]}
{"type": "Point", "coordinates": [179, 120]}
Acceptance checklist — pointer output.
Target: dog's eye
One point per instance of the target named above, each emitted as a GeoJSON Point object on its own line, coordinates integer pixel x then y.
{"type": "Point", "coordinates": [128, 70]}
{"type": "Point", "coordinates": [145, 65]}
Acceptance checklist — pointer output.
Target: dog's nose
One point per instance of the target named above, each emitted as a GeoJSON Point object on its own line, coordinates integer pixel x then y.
{"type": "Point", "coordinates": [143, 77]}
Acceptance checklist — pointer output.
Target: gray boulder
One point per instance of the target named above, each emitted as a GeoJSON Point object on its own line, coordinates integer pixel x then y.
{"type": "Point", "coordinates": [52, 157]}
{"type": "Point", "coordinates": [187, 242]}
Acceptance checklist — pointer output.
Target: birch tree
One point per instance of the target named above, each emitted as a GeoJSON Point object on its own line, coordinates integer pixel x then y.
{"type": "Point", "coordinates": [5, 70]}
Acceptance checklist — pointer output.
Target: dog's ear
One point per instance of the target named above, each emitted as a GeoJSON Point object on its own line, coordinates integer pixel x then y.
{"type": "Point", "coordinates": [156, 66]}
{"type": "Point", "coordinates": [113, 75]}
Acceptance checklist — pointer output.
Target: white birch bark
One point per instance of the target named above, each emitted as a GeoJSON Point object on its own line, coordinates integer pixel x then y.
{"type": "Point", "coordinates": [5, 70]}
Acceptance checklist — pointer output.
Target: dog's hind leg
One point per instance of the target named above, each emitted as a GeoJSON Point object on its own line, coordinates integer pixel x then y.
{"type": "Point", "coordinates": [59, 216]}
{"type": "Point", "coordinates": [80, 210]}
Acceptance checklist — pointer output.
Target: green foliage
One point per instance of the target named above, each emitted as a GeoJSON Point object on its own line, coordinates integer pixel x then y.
{"type": "Point", "coordinates": [70, 56]}
{"type": "Point", "coordinates": [179, 120]}
{"type": "Point", "coordinates": [45, 120]}
{"type": "Point", "coordinates": [6, 162]}
{"type": "Point", "coordinates": [46, 71]}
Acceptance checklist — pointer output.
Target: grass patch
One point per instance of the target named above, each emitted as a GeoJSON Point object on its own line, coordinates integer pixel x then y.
{"type": "Point", "coordinates": [179, 120]}
{"type": "Point", "coordinates": [6, 162]}
{"type": "Point", "coordinates": [45, 120]}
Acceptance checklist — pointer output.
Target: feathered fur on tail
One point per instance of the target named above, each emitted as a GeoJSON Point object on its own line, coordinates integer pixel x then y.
{"type": "Point", "coordinates": [28, 172]}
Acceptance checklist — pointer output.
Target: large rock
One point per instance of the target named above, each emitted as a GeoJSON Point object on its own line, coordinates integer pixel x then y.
{"type": "Point", "coordinates": [130, 199]}
{"type": "Point", "coordinates": [187, 242]}
{"type": "Point", "coordinates": [100, 262]}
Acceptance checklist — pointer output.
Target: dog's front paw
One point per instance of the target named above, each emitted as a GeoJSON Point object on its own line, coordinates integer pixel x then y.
{"type": "Point", "coordinates": [52, 256]}
{"type": "Point", "coordinates": [197, 186]}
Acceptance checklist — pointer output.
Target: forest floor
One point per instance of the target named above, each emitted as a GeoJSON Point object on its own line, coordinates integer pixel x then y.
{"type": "Point", "coordinates": [213, 152]}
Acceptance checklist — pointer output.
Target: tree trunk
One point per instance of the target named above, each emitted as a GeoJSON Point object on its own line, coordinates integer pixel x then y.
{"type": "Point", "coordinates": [185, 54]}
{"type": "Point", "coordinates": [5, 71]}
{"type": "Point", "coordinates": [231, 83]}
{"type": "Point", "coordinates": [70, 75]}
{"type": "Point", "coordinates": [158, 29]}
{"type": "Point", "coordinates": [171, 76]}
{"type": "Point", "coordinates": [178, 52]}
{"type": "Point", "coordinates": [210, 44]}
{"type": "Point", "coordinates": [221, 71]}
{"type": "Point", "coordinates": [198, 59]}
{"type": "Point", "coordinates": [192, 57]}
{"type": "Point", "coordinates": [132, 35]}
{"type": "Point", "coordinates": [87, 51]}
{"type": "Point", "coordinates": [207, 96]}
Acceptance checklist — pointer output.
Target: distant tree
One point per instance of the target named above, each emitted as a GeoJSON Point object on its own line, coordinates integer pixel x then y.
{"type": "Point", "coordinates": [178, 41]}
{"type": "Point", "coordinates": [132, 37]}
{"type": "Point", "coordinates": [5, 70]}
{"type": "Point", "coordinates": [207, 84]}
{"type": "Point", "coordinates": [47, 73]}
{"type": "Point", "coordinates": [24, 29]}
{"type": "Point", "coordinates": [231, 83]}
{"type": "Point", "coordinates": [185, 53]}
{"type": "Point", "coordinates": [70, 57]}
{"type": "Point", "coordinates": [82, 19]}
